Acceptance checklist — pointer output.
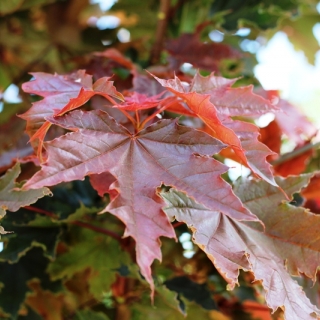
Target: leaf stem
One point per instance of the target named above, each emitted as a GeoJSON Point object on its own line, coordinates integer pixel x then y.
{"type": "Point", "coordinates": [77, 222]}
{"type": "Point", "coordinates": [111, 100]}
{"type": "Point", "coordinates": [129, 117]}
{"type": "Point", "coordinates": [155, 113]}
{"type": "Point", "coordinates": [47, 213]}
{"type": "Point", "coordinates": [97, 229]}
{"type": "Point", "coordinates": [138, 118]}
{"type": "Point", "coordinates": [290, 155]}
{"type": "Point", "coordinates": [123, 111]}
{"type": "Point", "coordinates": [151, 117]}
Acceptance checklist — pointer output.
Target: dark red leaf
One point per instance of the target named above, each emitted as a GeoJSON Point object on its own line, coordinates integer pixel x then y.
{"type": "Point", "coordinates": [61, 94]}
{"type": "Point", "coordinates": [271, 253]}
{"type": "Point", "coordinates": [163, 153]}
{"type": "Point", "coordinates": [102, 182]}
{"type": "Point", "coordinates": [295, 165]}
{"type": "Point", "coordinates": [238, 135]}
{"type": "Point", "coordinates": [137, 101]}
{"type": "Point", "coordinates": [291, 120]}
{"type": "Point", "coordinates": [188, 48]}
{"type": "Point", "coordinates": [117, 56]}
{"type": "Point", "coordinates": [230, 101]}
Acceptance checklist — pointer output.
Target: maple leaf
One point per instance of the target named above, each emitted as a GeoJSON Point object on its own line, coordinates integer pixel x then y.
{"type": "Point", "coordinates": [271, 136]}
{"type": "Point", "coordinates": [234, 244]}
{"type": "Point", "coordinates": [238, 135]}
{"type": "Point", "coordinates": [117, 56]}
{"type": "Point", "coordinates": [295, 124]}
{"type": "Point", "coordinates": [102, 182]}
{"type": "Point", "coordinates": [163, 153]}
{"type": "Point", "coordinates": [189, 48]}
{"type": "Point", "coordinates": [167, 305]}
{"type": "Point", "coordinates": [41, 232]}
{"type": "Point", "coordinates": [148, 87]}
{"type": "Point", "coordinates": [57, 91]}
{"type": "Point", "coordinates": [61, 94]}
{"type": "Point", "coordinates": [99, 253]}
{"type": "Point", "coordinates": [295, 165]}
{"type": "Point", "coordinates": [45, 302]}
{"type": "Point", "coordinates": [90, 314]}
{"type": "Point", "coordinates": [240, 101]}
{"type": "Point", "coordinates": [313, 189]}
{"type": "Point", "coordinates": [13, 145]}
{"type": "Point", "coordinates": [291, 120]}
{"type": "Point", "coordinates": [12, 197]}
{"type": "Point", "coordinates": [138, 101]}
{"type": "Point", "coordinates": [255, 151]}
{"type": "Point", "coordinates": [15, 276]}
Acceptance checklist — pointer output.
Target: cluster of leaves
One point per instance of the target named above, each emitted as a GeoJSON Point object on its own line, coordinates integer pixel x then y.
{"type": "Point", "coordinates": [134, 157]}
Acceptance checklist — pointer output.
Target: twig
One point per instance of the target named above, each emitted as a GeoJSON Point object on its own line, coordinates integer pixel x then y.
{"type": "Point", "coordinates": [98, 229]}
{"type": "Point", "coordinates": [47, 213]}
{"type": "Point", "coordinates": [290, 155]}
{"type": "Point", "coordinates": [163, 16]}
{"type": "Point", "coordinates": [78, 223]}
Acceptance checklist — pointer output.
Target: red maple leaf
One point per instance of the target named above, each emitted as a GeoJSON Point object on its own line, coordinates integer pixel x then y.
{"type": "Point", "coordinates": [291, 120]}
{"type": "Point", "coordinates": [189, 48]}
{"type": "Point", "coordinates": [163, 153]}
{"type": "Point", "coordinates": [214, 105]}
{"type": "Point", "coordinates": [61, 94]}
{"type": "Point", "coordinates": [271, 253]}
{"type": "Point", "coordinates": [138, 101]}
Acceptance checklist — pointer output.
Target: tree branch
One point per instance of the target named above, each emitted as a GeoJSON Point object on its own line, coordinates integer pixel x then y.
{"type": "Point", "coordinates": [78, 223]}
{"type": "Point", "coordinates": [97, 229]}
{"type": "Point", "coordinates": [290, 155]}
{"type": "Point", "coordinates": [47, 213]}
{"type": "Point", "coordinates": [163, 17]}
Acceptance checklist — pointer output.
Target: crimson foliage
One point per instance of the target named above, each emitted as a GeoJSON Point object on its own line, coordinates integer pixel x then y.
{"type": "Point", "coordinates": [139, 157]}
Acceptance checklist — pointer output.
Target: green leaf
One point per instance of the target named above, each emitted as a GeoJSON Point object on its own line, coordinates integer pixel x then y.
{"type": "Point", "coordinates": [90, 315]}
{"type": "Point", "coordinates": [11, 197]}
{"type": "Point", "coordinates": [7, 7]}
{"type": "Point", "coordinates": [79, 214]}
{"type": "Point", "coordinates": [14, 278]}
{"type": "Point", "coordinates": [90, 250]}
{"type": "Point", "coordinates": [253, 13]}
{"type": "Point", "coordinates": [9, 110]}
{"type": "Point", "coordinates": [40, 232]}
{"type": "Point", "coordinates": [192, 291]}
{"type": "Point", "coordinates": [300, 33]}
{"type": "Point", "coordinates": [5, 79]}
{"type": "Point", "coordinates": [69, 197]}
{"type": "Point", "coordinates": [28, 4]}
{"type": "Point", "coordinates": [141, 16]}
{"type": "Point", "coordinates": [166, 306]}
{"type": "Point", "coordinates": [193, 13]}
